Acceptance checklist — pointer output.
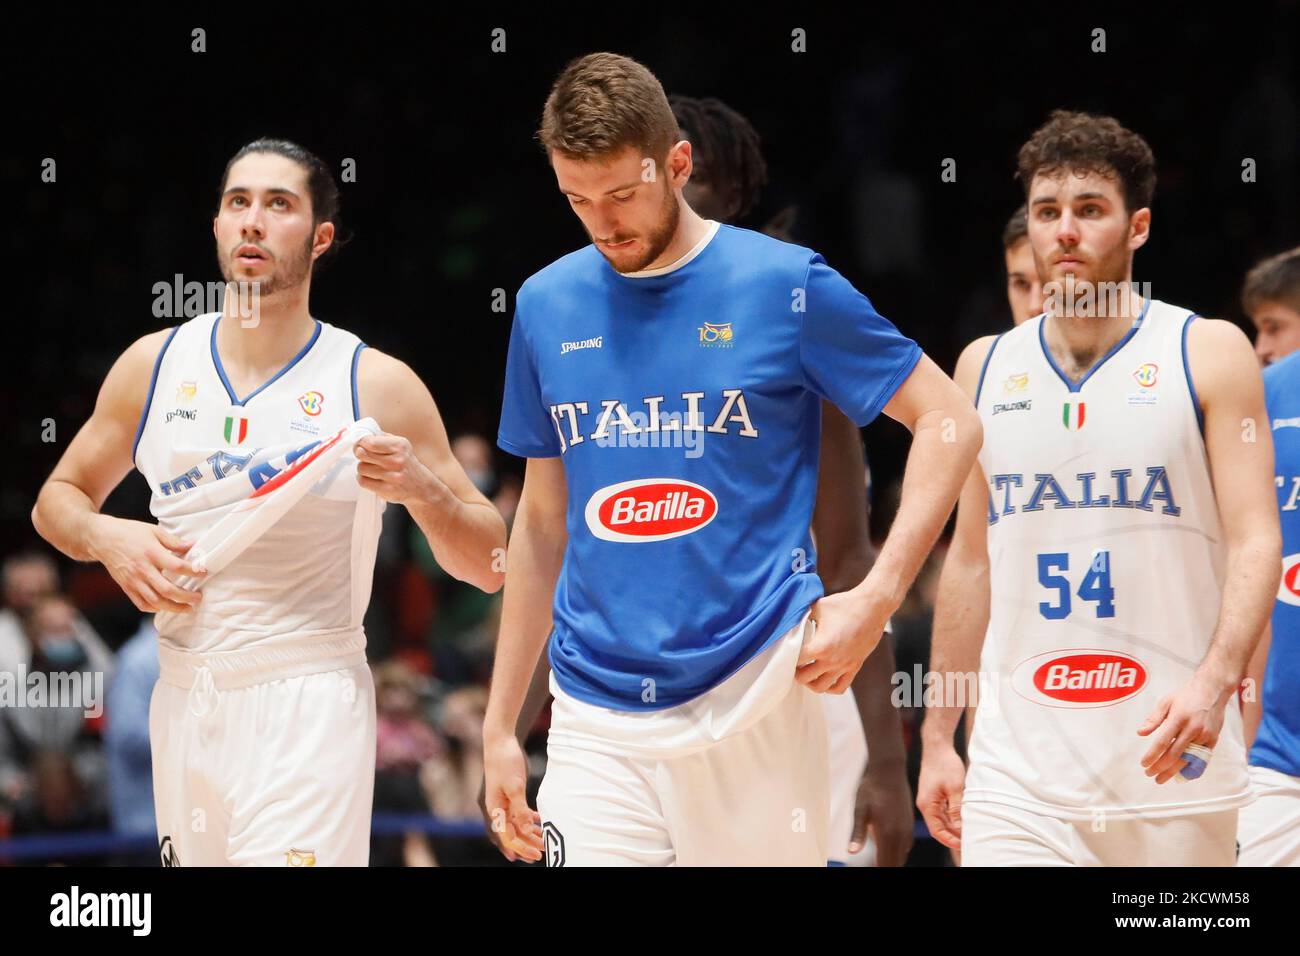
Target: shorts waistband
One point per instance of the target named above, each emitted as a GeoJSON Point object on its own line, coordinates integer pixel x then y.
{"type": "Point", "coordinates": [232, 670]}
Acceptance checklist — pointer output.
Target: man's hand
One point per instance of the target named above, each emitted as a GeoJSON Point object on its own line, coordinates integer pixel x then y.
{"type": "Point", "coordinates": [136, 554]}
{"type": "Point", "coordinates": [1193, 715]}
{"type": "Point", "coordinates": [939, 792]}
{"type": "Point", "coordinates": [387, 466]}
{"type": "Point", "coordinates": [884, 806]}
{"type": "Point", "coordinates": [848, 629]}
{"type": "Point", "coordinates": [517, 827]}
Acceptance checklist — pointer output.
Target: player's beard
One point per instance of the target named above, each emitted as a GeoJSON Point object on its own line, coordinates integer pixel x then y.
{"type": "Point", "coordinates": [289, 273]}
{"type": "Point", "coordinates": [1111, 269]}
{"type": "Point", "coordinates": [657, 240]}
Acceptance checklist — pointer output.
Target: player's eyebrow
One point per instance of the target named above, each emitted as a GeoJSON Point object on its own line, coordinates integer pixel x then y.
{"type": "Point", "coordinates": [273, 191]}
{"type": "Point", "coordinates": [1043, 200]}
{"type": "Point", "coordinates": [616, 189]}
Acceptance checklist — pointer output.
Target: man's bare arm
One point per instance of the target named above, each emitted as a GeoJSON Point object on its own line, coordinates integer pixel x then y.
{"type": "Point", "coordinates": [67, 512]}
{"type": "Point", "coordinates": [1239, 444]}
{"type": "Point", "coordinates": [536, 552]}
{"type": "Point", "coordinates": [465, 531]}
{"type": "Point", "coordinates": [961, 611]}
{"type": "Point", "coordinates": [99, 456]}
{"type": "Point", "coordinates": [537, 544]}
{"type": "Point", "coordinates": [961, 616]}
{"type": "Point", "coordinates": [1252, 703]}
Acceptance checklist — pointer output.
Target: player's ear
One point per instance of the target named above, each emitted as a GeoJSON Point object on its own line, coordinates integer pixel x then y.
{"type": "Point", "coordinates": [1139, 229]}
{"type": "Point", "coordinates": [679, 164]}
{"type": "Point", "coordinates": [324, 238]}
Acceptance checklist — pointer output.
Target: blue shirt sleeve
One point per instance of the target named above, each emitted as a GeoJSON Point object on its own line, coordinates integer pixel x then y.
{"type": "Point", "coordinates": [526, 427]}
{"type": "Point", "coordinates": [851, 355]}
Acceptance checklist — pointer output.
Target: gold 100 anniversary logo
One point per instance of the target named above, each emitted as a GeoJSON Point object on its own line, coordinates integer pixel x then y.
{"type": "Point", "coordinates": [716, 335]}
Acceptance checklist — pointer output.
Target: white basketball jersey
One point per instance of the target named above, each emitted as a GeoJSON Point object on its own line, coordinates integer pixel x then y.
{"type": "Point", "coordinates": [1107, 567]}
{"type": "Point", "coordinates": [203, 450]}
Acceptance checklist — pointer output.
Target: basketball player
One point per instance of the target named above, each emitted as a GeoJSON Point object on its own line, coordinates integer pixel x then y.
{"type": "Point", "coordinates": [665, 385]}
{"type": "Point", "coordinates": [1117, 540]}
{"type": "Point", "coordinates": [1024, 287]}
{"type": "Point", "coordinates": [1269, 829]}
{"type": "Point", "coordinates": [262, 726]}
{"type": "Point", "coordinates": [727, 176]}
{"type": "Point", "coordinates": [1271, 298]}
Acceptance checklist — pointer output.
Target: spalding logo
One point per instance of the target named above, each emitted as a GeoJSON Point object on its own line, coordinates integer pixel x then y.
{"type": "Point", "coordinates": [650, 509]}
{"type": "Point", "coordinates": [1079, 678]}
{"type": "Point", "coordinates": [1288, 592]}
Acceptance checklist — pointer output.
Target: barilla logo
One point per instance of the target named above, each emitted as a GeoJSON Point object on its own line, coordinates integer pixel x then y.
{"type": "Point", "coordinates": [1288, 592]}
{"type": "Point", "coordinates": [1079, 678]}
{"type": "Point", "coordinates": [650, 509]}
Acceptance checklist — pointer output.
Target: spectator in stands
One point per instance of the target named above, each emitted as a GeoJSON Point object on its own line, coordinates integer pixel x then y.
{"type": "Point", "coordinates": [57, 800]}
{"type": "Point", "coordinates": [451, 777]}
{"type": "Point", "coordinates": [126, 735]}
{"type": "Point", "coordinates": [404, 741]}
{"type": "Point", "coordinates": [463, 631]}
{"type": "Point", "coordinates": [25, 579]}
{"type": "Point", "coordinates": [60, 667]}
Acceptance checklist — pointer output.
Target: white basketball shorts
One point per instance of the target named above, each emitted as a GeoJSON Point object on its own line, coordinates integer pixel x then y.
{"type": "Point", "coordinates": [993, 834]}
{"type": "Point", "coordinates": [1269, 829]}
{"type": "Point", "coordinates": [736, 777]}
{"type": "Point", "coordinates": [848, 762]}
{"type": "Point", "coordinates": [264, 757]}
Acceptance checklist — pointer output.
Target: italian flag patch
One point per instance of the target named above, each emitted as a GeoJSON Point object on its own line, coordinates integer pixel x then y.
{"type": "Point", "coordinates": [236, 429]}
{"type": "Point", "coordinates": [1072, 415]}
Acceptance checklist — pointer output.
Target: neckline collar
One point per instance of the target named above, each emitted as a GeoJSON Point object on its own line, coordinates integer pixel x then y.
{"type": "Point", "coordinates": [682, 260]}
{"type": "Point", "coordinates": [1078, 386]}
{"type": "Point", "coordinates": [221, 371]}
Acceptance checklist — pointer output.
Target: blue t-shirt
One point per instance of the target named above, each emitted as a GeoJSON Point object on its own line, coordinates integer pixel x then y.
{"type": "Point", "coordinates": [686, 406]}
{"type": "Point", "coordinates": [1277, 746]}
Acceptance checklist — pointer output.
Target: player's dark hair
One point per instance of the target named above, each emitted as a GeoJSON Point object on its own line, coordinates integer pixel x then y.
{"type": "Point", "coordinates": [1017, 227]}
{"type": "Point", "coordinates": [1082, 143]}
{"type": "Point", "coordinates": [1276, 279]}
{"type": "Point", "coordinates": [321, 185]}
{"type": "Point", "coordinates": [729, 153]}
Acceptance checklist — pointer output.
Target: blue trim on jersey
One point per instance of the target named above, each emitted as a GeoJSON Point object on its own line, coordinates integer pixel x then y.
{"type": "Point", "coordinates": [1187, 370]}
{"type": "Point", "coordinates": [153, 381]}
{"type": "Point", "coordinates": [356, 358]}
{"type": "Point", "coordinates": [221, 372]}
{"type": "Point", "coordinates": [985, 367]}
{"type": "Point", "coordinates": [1047, 353]}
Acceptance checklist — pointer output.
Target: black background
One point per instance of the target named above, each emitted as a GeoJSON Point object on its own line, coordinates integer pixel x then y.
{"type": "Point", "coordinates": [454, 199]}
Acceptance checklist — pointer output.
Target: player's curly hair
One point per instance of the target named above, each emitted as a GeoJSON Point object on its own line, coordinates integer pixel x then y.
{"type": "Point", "coordinates": [321, 185]}
{"type": "Point", "coordinates": [729, 153]}
{"type": "Point", "coordinates": [1085, 143]}
{"type": "Point", "coordinates": [1275, 279]}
